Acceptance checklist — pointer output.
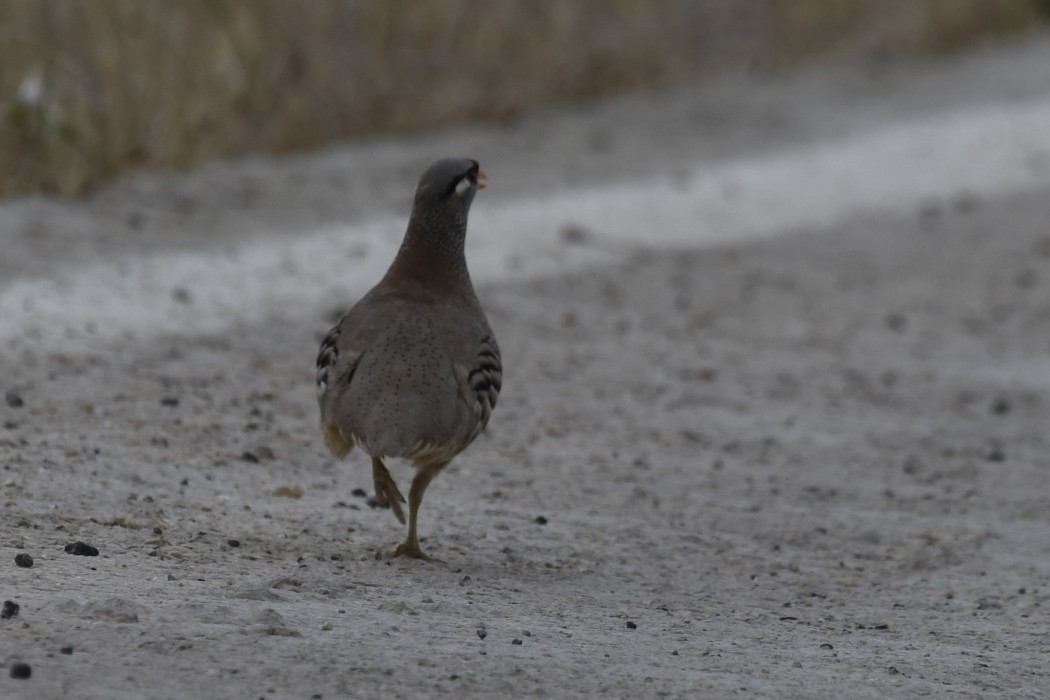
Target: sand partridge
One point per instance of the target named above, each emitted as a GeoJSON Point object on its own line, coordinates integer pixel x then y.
{"type": "Point", "coordinates": [413, 370]}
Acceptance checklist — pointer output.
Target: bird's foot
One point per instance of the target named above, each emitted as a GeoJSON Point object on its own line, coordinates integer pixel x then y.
{"type": "Point", "coordinates": [388, 495]}
{"type": "Point", "coordinates": [412, 549]}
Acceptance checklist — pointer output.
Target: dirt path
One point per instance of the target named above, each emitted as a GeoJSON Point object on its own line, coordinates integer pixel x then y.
{"type": "Point", "coordinates": [810, 467]}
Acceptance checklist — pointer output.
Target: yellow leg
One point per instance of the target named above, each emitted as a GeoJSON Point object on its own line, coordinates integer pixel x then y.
{"type": "Point", "coordinates": [410, 547]}
{"type": "Point", "coordinates": [387, 493]}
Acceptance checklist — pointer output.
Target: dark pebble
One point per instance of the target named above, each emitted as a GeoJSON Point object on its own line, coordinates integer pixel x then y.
{"type": "Point", "coordinates": [157, 531]}
{"type": "Point", "coordinates": [482, 634]}
{"type": "Point", "coordinates": [631, 625]}
{"type": "Point", "coordinates": [21, 671]}
{"type": "Point", "coordinates": [24, 560]}
{"type": "Point", "coordinates": [516, 641]}
{"type": "Point", "coordinates": [249, 457]}
{"type": "Point", "coordinates": [896, 322]}
{"type": "Point", "coordinates": [169, 401]}
{"type": "Point", "coordinates": [9, 610]}
{"type": "Point", "coordinates": [575, 235]}
{"type": "Point", "coordinates": [14, 400]}
{"type": "Point", "coordinates": [359, 493]}
{"type": "Point", "coordinates": [540, 520]}
{"type": "Point", "coordinates": [1001, 406]}
{"type": "Point", "coordinates": [1026, 279]}
{"type": "Point", "coordinates": [825, 645]}
{"type": "Point", "coordinates": [81, 549]}
{"type": "Point", "coordinates": [67, 650]}
{"type": "Point", "coordinates": [233, 543]}
{"type": "Point", "coordinates": [996, 455]}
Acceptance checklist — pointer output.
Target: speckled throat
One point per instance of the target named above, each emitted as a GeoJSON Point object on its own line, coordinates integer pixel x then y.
{"type": "Point", "coordinates": [432, 251]}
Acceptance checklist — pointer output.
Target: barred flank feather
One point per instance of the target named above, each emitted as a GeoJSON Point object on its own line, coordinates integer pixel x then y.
{"type": "Point", "coordinates": [326, 357]}
{"type": "Point", "coordinates": [486, 380]}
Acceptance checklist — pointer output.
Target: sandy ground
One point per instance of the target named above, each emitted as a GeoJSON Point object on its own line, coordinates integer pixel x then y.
{"type": "Point", "coordinates": [812, 466]}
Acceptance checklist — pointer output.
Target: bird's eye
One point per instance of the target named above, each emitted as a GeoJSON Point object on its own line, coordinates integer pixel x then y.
{"type": "Point", "coordinates": [462, 186]}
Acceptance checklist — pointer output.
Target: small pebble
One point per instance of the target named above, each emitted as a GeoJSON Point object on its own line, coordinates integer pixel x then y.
{"type": "Point", "coordinates": [67, 650]}
{"type": "Point", "coordinates": [516, 641]}
{"type": "Point", "coordinates": [24, 560]}
{"type": "Point", "coordinates": [21, 671]}
{"type": "Point", "coordinates": [896, 322]}
{"type": "Point", "coordinates": [81, 549]}
{"type": "Point", "coordinates": [14, 400]}
{"type": "Point", "coordinates": [233, 543]}
{"type": "Point", "coordinates": [576, 235]}
{"type": "Point", "coordinates": [482, 634]}
{"type": "Point", "coordinates": [359, 493]}
{"type": "Point", "coordinates": [249, 457]}
{"type": "Point", "coordinates": [631, 625]}
{"type": "Point", "coordinates": [169, 401]}
{"type": "Point", "coordinates": [674, 653]}
{"type": "Point", "coordinates": [540, 520]}
{"type": "Point", "coordinates": [9, 610]}
{"type": "Point", "coordinates": [825, 645]}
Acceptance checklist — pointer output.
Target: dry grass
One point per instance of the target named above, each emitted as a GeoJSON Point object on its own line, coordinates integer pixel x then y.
{"type": "Point", "coordinates": [91, 87]}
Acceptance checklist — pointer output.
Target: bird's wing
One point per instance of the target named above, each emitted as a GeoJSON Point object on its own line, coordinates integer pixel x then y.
{"type": "Point", "coordinates": [342, 349]}
{"type": "Point", "coordinates": [328, 358]}
{"type": "Point", "coordinates": [484, 381]}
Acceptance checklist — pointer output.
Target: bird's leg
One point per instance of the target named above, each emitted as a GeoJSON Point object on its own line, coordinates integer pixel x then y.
{"type": "Point", "coordinates": [387, 493]}
{"type": "Point", "coordinates": [410, 547]}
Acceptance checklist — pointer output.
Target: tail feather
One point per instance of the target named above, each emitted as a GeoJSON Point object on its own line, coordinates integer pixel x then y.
{"type": "Point", "coordinates": [339, 444]}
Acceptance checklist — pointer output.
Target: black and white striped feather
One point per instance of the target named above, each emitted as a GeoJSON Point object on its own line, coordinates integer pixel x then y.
{"type": "Point", "coordinates": [327, 356]}
{"type": "Point", "coordinates": [486, 380]}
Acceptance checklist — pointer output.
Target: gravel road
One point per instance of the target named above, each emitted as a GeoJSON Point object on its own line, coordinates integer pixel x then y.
{"type": "Point", "coordinates": [808, 463]}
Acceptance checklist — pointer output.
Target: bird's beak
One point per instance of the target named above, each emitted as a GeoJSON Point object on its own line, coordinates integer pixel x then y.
{"type": "Point", "coordinates": [483, 180]}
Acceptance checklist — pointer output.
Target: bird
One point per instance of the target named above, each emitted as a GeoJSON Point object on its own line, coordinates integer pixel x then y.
{"type": "Point", "coordinates": [413, 369]}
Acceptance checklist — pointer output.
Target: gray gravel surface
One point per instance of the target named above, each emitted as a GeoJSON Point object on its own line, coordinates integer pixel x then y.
{"type": "Point", "coordinates": [810, 467]}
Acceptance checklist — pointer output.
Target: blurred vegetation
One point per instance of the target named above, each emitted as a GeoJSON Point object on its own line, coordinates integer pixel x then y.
{"type": "Point", "coordinates": [89, 88]}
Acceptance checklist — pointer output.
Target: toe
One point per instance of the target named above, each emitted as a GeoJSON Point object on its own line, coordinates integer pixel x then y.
{"type": "Point", "coordinates": [406, 549]}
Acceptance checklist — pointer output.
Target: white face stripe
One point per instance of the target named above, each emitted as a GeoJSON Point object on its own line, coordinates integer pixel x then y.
{"type": "Point", "coordinates": [462, 186]}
